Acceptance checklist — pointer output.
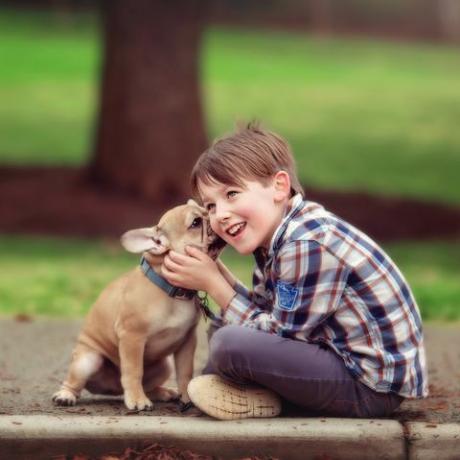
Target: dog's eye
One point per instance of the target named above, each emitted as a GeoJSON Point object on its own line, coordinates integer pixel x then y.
{"type": "Point", "coordinates": [196, 222]}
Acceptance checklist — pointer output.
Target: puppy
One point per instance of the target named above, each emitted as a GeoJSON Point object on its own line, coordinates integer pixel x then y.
{"type": "Point", "coordinates": [134, 325]}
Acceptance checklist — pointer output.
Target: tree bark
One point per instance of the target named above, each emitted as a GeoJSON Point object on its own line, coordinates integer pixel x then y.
{"type": "Point", "coordinates": [150, 128]}
{"type": "Point", "coordinates": [321, 16]}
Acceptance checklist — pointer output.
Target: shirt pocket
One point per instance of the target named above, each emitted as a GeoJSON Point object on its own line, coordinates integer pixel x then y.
{"type": "Point", "coordinates": [287, 295]}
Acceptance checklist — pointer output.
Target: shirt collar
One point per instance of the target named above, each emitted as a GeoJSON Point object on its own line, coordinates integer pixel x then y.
{"type": "Point", "coordinates": [262, 255]}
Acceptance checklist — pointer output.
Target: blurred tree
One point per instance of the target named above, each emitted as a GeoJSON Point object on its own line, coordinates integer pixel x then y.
{"type": "Point", "coordinates": [150, 128]}
{"type": "Point", "coordinates": [321, 14]}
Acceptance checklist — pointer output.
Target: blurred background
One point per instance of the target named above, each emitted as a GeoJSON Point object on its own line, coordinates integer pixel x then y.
{"type": "Point", "coordinates": [105, 106]}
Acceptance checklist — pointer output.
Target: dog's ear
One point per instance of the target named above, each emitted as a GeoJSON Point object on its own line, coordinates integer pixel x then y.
{"type": "Point", "coordinates": [145, 239]}
{"type": "Point", "coordinates": [191, 202]}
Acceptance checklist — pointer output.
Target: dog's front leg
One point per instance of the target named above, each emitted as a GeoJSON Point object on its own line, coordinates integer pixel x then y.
{"type": "Point", "coordinates": [131, 349]}
{"type": "Point", "coordinates": [183, 360]}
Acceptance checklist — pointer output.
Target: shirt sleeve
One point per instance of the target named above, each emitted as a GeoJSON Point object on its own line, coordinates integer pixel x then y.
{"type": "Point", "coordinates": [308, 282]}
{"type": "Point", "coordinates": [241, 289]}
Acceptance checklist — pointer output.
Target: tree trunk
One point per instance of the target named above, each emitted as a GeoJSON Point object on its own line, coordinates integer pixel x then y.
{"type": "Point", "coordinates": [150, 128]}
{"type": "Point", "coordinates": [321, 16]}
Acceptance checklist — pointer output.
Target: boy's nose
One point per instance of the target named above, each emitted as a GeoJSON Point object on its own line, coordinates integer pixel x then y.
{"type": "Point", "coordinates": [222, 213]}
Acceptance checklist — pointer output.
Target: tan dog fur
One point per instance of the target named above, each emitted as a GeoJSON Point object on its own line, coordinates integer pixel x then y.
{"type": "Point", "coordinates": [127, 338]}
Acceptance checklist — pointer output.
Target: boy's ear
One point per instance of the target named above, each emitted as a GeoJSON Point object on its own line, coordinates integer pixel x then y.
{"type": "Point", "coordinates": [145, 239]}
{"type": "Point", "coordinates": [282, 185]}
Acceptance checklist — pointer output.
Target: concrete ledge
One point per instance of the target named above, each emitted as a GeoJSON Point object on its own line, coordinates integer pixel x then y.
{"type": "Point", "coordinates": [40, 437]}
{"type": "Point", "coordinates": [427, 441]}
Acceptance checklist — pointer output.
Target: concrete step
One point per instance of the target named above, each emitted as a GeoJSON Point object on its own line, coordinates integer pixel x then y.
{"type": "Point", "coordinates": [43, 437]}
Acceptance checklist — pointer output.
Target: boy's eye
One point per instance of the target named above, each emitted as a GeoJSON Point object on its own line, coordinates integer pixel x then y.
{"type": "Point", "coordinates": [231, 193]}
{"type": "Point", "coordinates": [196, 222]}
{"type": "Point", "coordinates": [210, 207]}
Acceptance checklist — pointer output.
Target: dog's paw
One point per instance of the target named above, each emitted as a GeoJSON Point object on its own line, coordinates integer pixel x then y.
{"type": "Point", "coordinates": [138, 403]}
{"type": "Point", "coordinates": [64, 398]}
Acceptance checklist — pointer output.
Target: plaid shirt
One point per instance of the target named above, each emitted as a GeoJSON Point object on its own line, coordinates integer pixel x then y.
{"type": "Point", "coordinates": [324, 281]}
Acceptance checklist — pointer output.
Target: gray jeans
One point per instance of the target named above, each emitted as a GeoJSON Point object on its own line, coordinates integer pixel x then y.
{"type": "Point", "coordinates": [308, 375]}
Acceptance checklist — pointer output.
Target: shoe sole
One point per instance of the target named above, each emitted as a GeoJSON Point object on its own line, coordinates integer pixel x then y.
{"type": "Point", "coordinates": [226, 401]}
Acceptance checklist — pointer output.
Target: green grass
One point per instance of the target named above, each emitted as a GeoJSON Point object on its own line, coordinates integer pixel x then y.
{"type": "Point", "coordinates": [44, 276]}
{"type": "Point", "coordinates": [48, 88]}
{"type": "Point", "coordinates": [367, 115]}
{"type": "Point", "coordinates": [433, 272]}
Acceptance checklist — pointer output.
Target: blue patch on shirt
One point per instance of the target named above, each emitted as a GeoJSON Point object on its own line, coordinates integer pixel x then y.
{"type": "Point", "coordinates": [287, 295]}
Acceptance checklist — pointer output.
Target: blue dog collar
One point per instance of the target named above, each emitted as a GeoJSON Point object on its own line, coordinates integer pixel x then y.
{"type": "Point", "coordinates": [155, 278]}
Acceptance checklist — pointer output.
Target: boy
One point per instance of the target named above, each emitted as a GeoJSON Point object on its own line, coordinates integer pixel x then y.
{"type": "Point", "coordinates": [330, 325]}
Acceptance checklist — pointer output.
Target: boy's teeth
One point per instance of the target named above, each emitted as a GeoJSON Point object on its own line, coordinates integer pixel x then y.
{"type": "Point", "coordinates": [235, 229]}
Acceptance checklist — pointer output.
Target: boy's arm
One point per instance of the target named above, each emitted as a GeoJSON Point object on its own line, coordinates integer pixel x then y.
{"type": "Point", "coordinates": [245, 305]}
{"type": "Point", "coordinates": [250, 303]}
{"type": "Point", "coordinates": [227, 274]}
{"type": "Point", "coordinates": [237, 285]}
{"type": "Point", "coordinates": [221, 291]}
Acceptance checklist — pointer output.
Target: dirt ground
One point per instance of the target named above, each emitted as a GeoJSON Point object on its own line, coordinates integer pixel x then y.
{"type": "Point", "coordinates": [33, 362]}
{"type": "Point", "coordinates": [60, 201]}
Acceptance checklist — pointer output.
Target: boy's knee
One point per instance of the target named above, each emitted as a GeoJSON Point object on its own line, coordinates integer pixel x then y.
{"type": "Point", "coordinates": [225, 346]}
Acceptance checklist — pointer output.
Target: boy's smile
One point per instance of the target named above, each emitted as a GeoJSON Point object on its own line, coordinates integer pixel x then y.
{"type": "Point", "coordinates": [236, 229]}
{"type": "Point", "coordinates": [244, 216]}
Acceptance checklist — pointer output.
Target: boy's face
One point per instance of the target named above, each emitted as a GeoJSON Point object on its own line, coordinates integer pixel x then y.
{"type": "Point", "coordinates": [245, 217]}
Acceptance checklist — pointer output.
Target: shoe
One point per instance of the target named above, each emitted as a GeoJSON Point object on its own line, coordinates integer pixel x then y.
{"type": "Point", "coordinates": [225, 400]}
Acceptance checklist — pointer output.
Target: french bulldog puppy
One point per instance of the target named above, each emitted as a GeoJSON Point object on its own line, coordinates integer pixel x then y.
{"type": "Point", "coordinates": [134, 328]}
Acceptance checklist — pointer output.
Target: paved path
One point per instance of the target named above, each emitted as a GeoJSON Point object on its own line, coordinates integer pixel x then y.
{"type": "Point", "coordinates": [34, 357]}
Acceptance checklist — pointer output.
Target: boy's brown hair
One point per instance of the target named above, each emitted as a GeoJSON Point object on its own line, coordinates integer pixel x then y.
{"type": "Point", "coordinates": [250, 153]}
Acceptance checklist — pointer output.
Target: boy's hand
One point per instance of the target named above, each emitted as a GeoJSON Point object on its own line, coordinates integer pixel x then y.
{"type": "Point", "coordinates": [195, 270]}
